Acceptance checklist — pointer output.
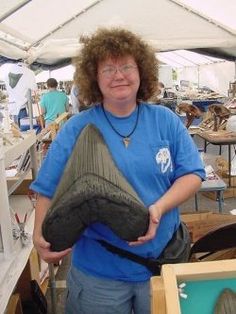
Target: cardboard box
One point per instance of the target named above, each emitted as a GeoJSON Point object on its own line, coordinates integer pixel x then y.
{"type": "Point", "coordinates": [23, 187]}
{"type": "Point", "coordinates": [200, 223]}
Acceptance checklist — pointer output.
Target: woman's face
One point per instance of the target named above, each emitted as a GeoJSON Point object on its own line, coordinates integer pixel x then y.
{"type": "Point", "coordinates": [118, 79]}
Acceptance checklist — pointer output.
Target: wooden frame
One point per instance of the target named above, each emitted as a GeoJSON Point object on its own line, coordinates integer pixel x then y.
{"type": "Point", "coordinates": [55, 126]}
{"type": "Point", "coordinates": [14, 305]}
{"type": "Point", "coordinates": [164, 288]}
{"type": "Point", "coordinates": [49, 133]}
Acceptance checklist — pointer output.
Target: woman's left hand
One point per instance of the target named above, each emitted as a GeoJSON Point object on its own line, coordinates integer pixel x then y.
{"type": "Point", "coordinates": [155, 217]}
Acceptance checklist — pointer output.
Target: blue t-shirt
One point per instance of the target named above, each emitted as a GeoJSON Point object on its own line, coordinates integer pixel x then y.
{"type": "Point", "coordinates": [160, 151]}
{"type": "Point", "coordinates": [54, 103]}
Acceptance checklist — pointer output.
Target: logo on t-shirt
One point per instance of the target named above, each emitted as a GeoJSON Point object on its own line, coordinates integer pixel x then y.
{"type": "Point", "coordinates": [163, 158]}
{"type": "Point", "coordinates": [14, 79]}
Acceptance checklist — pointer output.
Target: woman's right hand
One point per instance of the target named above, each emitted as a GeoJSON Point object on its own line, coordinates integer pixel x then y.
{"type": "Point", "coordinates": [41, 245]}
{"type": "Point", "coordinates": [43, 248]}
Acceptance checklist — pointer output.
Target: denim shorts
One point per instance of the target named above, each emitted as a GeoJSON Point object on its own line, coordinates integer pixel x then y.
{"type": "Point", "coordinates": [94, 295]}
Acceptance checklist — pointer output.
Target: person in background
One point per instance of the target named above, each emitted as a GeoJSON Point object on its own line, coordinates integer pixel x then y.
{"type": "Point", "coordinates": [53, 103]}
{"type": "Point", "coordinates": [76, 102]}
{"type": "Point", "coordinates": [116, 71]}
{"type": "Point", "coordinates": [162, 90]}
{"type": "Point", "coordinates": [20, 83]}
{"type": "Point", "coordinates": [74, 98]}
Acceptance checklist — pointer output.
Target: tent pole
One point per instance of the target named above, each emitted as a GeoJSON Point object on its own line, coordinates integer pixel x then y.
{"type": "Point", "coordinates": [13, 10]}
{"type": "Point", "coordinates": [235, 70]}
{"type": "Point", "coordinates": [198, 77]}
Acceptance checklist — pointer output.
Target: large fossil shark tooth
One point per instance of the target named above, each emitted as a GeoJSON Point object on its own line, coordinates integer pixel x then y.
{"type": "Point", "coordinates": [226, 303]}
{"type": "Point", "coordinates": [92, 189]}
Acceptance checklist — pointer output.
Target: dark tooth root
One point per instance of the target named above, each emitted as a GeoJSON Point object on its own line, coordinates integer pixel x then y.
{"type": "Point", "coordinates": [92, 189]}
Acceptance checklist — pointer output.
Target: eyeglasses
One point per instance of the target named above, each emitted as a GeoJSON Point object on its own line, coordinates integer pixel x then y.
{"type": "Point", "coordinates": [125, 69]}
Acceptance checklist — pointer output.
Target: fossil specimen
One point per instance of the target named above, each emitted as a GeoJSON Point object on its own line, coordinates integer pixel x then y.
{"type": "Point", "coordinates": [191, 111]}
{"type": "Point", "coordinates": [226, 303]}
{"type": "Point", "coordinates": [92, 189]}
{"type": "Point", "coordinates": [219, 114]}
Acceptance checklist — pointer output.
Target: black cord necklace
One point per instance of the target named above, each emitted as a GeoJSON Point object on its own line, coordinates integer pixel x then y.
{"type": "Point", "coordinates": [125, 138]}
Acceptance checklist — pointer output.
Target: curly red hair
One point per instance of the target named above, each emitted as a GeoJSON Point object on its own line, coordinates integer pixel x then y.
{"type": "Point", "coordinates": [114, 43]}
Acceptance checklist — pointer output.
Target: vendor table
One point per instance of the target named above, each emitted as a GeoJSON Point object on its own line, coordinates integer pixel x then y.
{"type": "Point", "coordinates": [204, 103]}
{"type": "Point", "coordinates": [220, 138]}
{"type": "Point", "coordinates": [170, 103]}
{"type": "Point", "coordinates": [216, 185]}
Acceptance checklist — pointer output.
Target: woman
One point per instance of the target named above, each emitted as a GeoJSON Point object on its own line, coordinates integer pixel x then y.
{"type": "Point", "coordinates": [116, 71]}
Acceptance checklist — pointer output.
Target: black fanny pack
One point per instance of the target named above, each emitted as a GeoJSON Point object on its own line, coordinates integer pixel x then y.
{"type": "Point", "coordinates": [177, 250]}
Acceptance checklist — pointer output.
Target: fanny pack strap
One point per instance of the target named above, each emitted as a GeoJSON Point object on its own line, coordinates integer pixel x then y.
{"type": "Point", "coordinates": [176, 251]}
{"type": "Point", "coordinates": [151, 264]}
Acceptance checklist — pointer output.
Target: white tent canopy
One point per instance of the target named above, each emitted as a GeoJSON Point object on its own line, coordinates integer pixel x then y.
{"type": "Point", "coordinates": [216, 76]}
{"type": "Point", "coordinates": [198, 69]}
{"type": "Point", "coordinates": [63, 74]}
{"type": "Point", "coordinates": [48, 31]}
{"type": "Point", "coordinates": [185, 58]}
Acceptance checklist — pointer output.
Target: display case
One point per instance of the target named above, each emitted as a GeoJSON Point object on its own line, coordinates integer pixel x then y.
{"type": "Point", "coordinates": [13, 253]}
{"type": "Point", "coordinates": [191, 287]}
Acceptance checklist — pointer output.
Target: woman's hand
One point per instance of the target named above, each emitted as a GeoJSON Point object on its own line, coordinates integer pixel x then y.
{"type": "Point", "coordinates": [181, 190]}
{"type": "Point", "coordinates": [43, 248]}
{"type": "Point", "coordinates": [41, 245]}
{"type": "Point", "coordinates": [155, 217]}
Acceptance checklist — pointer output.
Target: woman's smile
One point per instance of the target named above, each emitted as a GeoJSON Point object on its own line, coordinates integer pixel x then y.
{"type": "Point", "coordinates": [119, 80]}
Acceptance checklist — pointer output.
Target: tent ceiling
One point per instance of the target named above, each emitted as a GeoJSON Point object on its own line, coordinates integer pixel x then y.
{"type": "Point", "coordinates": [47, 32]}
{"type": "Point", "coordinates": [185, 58]}
{"type": "Point", "coordinates": [175, 59]}
{"type": "Point", "coordinates": [218, 11]}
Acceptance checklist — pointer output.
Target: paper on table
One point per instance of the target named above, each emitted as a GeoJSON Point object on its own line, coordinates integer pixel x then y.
{"type": "Point", "coordinates": [11, 172]}
{"type": "Point", "coordinates": [209, 170]}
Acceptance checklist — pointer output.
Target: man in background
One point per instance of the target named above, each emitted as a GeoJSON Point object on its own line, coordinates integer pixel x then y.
{"type": "Point", "coordinates": [162, 90]}
{"type": "Point", "coordinates": [53, 103]}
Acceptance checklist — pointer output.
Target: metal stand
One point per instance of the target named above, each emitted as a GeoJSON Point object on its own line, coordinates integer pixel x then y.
{"type": "Point", "coordinates": [52, 286]}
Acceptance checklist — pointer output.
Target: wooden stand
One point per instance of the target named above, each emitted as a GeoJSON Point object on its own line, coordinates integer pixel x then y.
{"type": "Point", "coordinates": [202, 222]}
{"type": "Point", "coordinates": [14, 305]}
{"type": "Point", "coordinates": [55, 126]}
{"type": "Point", "coordinates": [158, 302]}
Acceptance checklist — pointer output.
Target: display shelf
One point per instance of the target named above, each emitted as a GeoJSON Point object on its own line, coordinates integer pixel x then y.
{"type": "Point", "coordinates": [12, 266]}
{"type": "Point", "coordinates": [14, 255]}
{"type": "Point", "coordinates": [20, 145]}
{"type": "Point", "coordinates": [17, 180]}
{"type": "Point", "coordinates": [8, 153]}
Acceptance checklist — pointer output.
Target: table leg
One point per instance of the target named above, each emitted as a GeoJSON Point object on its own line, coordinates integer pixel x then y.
{"type": "Point", "coordinates": [196, 202]}
{"type": "Point", "coordinates": [52, 285]}
{"type": "Point", "coordinates": [229, 161]}
{"type": "Point", "coordinates": [220, 149]}
{"type": "Point", "coordinates": [220, 200]}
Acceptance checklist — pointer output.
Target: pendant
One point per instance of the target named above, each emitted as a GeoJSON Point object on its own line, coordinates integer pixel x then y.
{"type": "Point", "coordinates": [126, 141]}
